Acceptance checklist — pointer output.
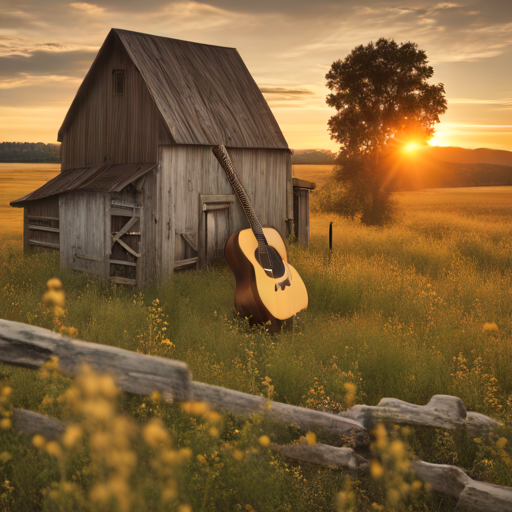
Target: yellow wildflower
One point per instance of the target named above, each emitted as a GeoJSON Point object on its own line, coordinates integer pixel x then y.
{"type": "Point", "coordinates": [264, 441]}
{"type": "Point", "coordinates": [53, 448]}
{"type": "Point", "coordinates": [71, 436]}
{"type": "Point", "coordinates": [500, 444]}
{"type": "Point", "coordinates": [38, 441]}
{"type": "Point", "coordinates": [376, 469]}
{"type": "Point", "coordinates": [195, 408]}
{"type": "Point", "coordinates": [54, 283]}
{"type": "Point", "coordinates": [311, 438]}
{"type": "Point", "coordinates": [155, 434]}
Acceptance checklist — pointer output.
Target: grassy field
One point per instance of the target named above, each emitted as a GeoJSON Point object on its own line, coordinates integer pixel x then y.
{"type": "Point", "coordinates": [17, 180]}
{"type": "Point", "coordinates": [318, 174]}
{"type": "Point", "coordinates": [419, 308]}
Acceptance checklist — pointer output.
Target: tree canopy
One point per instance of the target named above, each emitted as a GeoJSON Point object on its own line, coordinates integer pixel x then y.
{"type": "Point", "coordinates": [382, 99]}
{"type": "Point", "coordinates": [380, 91]}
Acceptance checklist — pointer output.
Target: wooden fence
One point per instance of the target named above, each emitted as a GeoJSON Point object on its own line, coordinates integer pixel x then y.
{"type": "Point", "coordinates": [31, 347]}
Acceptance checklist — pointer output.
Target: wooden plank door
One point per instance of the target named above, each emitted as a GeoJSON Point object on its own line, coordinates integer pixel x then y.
{"type": "Point", "coordinates": [217, 231]}
{"type": "Point", "coordinates": [215, 227]}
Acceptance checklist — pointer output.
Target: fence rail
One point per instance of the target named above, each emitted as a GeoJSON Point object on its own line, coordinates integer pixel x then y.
{"type": "Point", "coordinates": [31, 347]}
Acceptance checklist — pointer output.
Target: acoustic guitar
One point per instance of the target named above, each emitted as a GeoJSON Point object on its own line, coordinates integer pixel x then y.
{"type": "Point", "coordinates": [268, 288]}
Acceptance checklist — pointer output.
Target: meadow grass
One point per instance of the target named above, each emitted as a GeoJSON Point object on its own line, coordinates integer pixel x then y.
{"type": "Point", "coordinates": [17, 180]}
{"type": "Point", "coordinates": [421, 307]}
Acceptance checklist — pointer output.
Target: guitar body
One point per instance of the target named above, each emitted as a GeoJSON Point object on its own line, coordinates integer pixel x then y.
{"type": "Point", "coordinates": [258, 296]}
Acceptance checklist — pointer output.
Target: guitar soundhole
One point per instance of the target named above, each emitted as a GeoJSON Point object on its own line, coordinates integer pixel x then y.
{"type": "Point", "coordinates": [278, 269]}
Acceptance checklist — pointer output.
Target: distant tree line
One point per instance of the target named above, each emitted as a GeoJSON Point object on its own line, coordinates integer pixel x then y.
{"type": "Point", "coordinates": [313, 157]}
{"type": "Point", "coordinates": [29, 152]}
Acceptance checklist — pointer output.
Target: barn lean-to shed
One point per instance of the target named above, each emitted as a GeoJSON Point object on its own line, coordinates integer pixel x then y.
{"type": "Point", "coordinates": [140, 193]}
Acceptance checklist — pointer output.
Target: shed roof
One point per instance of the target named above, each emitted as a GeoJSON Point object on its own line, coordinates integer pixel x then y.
{"type": "Point", "coordinates": [205, 93]}
{"type": "Point", "coordinates": [107, 178]}
{"type": "Point", "coordinates": [299, 183]}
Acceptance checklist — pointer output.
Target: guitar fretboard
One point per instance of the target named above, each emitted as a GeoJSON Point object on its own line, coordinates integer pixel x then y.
{"type": "Point", "coordinates": [234, 180]}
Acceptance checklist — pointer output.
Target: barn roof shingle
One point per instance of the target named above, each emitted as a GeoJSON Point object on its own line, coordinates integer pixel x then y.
{"type": "Point", "coordinates": [107, 178]}
{"type": "Point", "coordinates": [205, 93]}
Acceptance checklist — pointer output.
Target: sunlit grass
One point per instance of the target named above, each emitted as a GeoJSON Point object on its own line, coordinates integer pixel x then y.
{"type": "Point", "coordinates": [421, 307]}
{"type": "Point", "coordinates": [17, 180]}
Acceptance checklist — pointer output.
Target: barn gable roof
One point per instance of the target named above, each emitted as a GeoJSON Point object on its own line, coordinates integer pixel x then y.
{"type": "Point", "coordinates": [204, 93]}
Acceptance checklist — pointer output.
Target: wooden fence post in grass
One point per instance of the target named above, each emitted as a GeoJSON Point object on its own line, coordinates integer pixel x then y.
{"type": "Point", "coordinates": [442, 411]}
{"type": "Point", "coordinates": [31, 423]}
{"type": "Point", "coordinates": [444, 479]}
{"type": "Point", "coordinates": [29, 346]}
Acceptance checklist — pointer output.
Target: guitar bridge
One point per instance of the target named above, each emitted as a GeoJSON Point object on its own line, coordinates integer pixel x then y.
{"type": "Point", "coordinates": [282, 285]}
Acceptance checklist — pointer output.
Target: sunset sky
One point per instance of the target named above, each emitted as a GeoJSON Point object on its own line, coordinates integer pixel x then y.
{"type": "Point", "coordinates": [47, 46]}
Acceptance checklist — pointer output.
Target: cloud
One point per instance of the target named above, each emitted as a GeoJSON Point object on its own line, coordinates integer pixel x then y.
{"type": "Point", "coordinates": [196, 16]}
{"type": "Point", "coordinates": [447, 31]}
{"type": "Point", "coordinates": [446, 5]}
{"type": "Point", "coordinates": [26, 80]}
{"type": "Point", "coordinates": [288, 45]}
{"type": "Point", "coordinates": [470, 127]}
{"type": "Point", "coordinates": [90, 9]}
{"type": "Point", "coordinates": [47, 63]}
{"type": "Point", "coordinates": [28, 50]}
{"type": "Point", "coordinates": [473, 101]}
{"type": "Point", "coordinates": [283, 91]}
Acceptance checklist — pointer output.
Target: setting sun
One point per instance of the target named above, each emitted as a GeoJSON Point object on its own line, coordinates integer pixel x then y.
{"type": "Point", "coordinates": [411, 146]}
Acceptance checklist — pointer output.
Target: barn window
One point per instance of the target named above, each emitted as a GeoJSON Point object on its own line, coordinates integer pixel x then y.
{"type": "Point", "coordinates": [118, 82]}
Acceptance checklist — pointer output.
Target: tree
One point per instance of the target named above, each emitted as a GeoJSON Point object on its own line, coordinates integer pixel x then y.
{"type": "Point", "coordinates": [383, 100]}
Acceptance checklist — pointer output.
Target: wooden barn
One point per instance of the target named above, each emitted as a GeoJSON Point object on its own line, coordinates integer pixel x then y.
{"type": "Point", "coordinates": [140, 193]}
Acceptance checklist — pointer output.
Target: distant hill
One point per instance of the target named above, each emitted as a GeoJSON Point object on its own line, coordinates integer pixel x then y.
{"type": "Point", "coordinates": [471, 156]}
{"type": "Point", "coordinates": [428, 167]}
{"type": "Point", "coordinates": [29, 152]}
{"type": "Point", "coordinates": [438, 167]}
{"type": "Point", "coordinates": [438, 174]}
{"type": "Point", "coordinates": [313, 157]}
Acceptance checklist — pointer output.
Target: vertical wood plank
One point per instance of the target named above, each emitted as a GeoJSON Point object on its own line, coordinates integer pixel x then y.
{"type": "Point", "coordinates": [195, 171]}
{"type": "Point", "coordinates": [25, 230]}
{"type": "Point", "coordinates": [107, 237]}
{"type": "Point", "coordinates": [289, 194]}
{"type": "Point", "coordinates": [121, 129]}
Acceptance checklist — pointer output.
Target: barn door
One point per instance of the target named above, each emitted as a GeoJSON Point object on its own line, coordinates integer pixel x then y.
{"type": "Point", "coordinates": [216, 224]}
{"type": "Point", "coordinates": [217, 231]}
{"type": "Point", "coordinates": [125, 244]}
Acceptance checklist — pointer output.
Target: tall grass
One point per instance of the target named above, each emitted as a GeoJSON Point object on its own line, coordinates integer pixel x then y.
{"type": "Point", "coordinates": [406, 311]}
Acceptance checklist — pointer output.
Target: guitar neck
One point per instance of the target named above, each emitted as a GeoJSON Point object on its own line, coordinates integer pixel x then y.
{"type": "Point", "coordinates": [225, 161]}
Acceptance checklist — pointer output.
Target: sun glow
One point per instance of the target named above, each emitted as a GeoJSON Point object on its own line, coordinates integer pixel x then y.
{"type": "Point", "coordinates": [411, 146]}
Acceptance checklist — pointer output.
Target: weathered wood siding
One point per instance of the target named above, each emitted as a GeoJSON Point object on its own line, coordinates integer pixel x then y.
{"type": "Point", "coordinates": [301, 214]}
{"type": "Point", "coordinates": [187, 172]}
{"type": "Point", "coordinates": [85, 232]}
{"type": "Point", "coordinates": [148, 268]}
{"type": "Point", "coordinates": [41, 224]}
{"type": "Point", "coordinates": [105, 127]}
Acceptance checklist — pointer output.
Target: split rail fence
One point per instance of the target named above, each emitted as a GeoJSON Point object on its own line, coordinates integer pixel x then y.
{"type": "Point", "coordinates": [31, 347]}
